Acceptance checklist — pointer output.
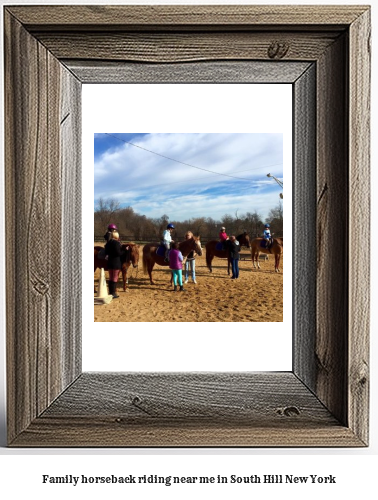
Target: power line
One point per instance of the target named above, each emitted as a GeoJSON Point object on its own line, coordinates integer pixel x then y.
{"type": "Point", "coordinates": [177, 161]}
{"type": "Point", "coordinates": [185, 181]}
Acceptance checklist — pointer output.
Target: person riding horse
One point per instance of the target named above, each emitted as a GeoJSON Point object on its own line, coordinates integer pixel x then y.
{"type": "Point", "coordinates": [167, 240]}
{"type": "Point", "coordinates": [223, 237]}
{"type": "Point", "coordinates": [267, 236]}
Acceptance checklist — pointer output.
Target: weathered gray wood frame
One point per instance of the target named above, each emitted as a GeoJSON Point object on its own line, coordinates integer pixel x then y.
{"type": "Point", "coordinates": [49, 52]}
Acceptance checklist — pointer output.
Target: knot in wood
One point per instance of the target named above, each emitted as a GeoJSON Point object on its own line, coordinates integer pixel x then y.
{"type": "Point", "coordinates": [140, 404]}
{"type": "Point", "coordinates": [278, 50]}
{"type": "Point", "coordinates": [363, 381]}
{"type": "Point", "coordinates": [136, 400]}
{"type": "Point", "coordinates": [40, 287]}
{"type": "Point", "coordinates": [289, 411]}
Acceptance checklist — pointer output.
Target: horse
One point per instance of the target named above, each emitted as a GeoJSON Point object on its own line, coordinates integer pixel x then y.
{"type": "Point", "coordinates": [211, 250]}
{"type": "Point", "coordinates": [128, 259]}
{"type": "Point", "coordinates": [244, 240]}
{"type": "Point", "coordinates": [276, 249]}
{"type": "Point", "coordinates": [150, 257]}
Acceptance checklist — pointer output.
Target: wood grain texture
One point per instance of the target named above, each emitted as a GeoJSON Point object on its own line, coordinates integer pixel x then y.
{"type": "Point", "coordinates": [332, 230]}
{"type": "Point", "coordinates": [199, 72]}
{"type": "Point", "coordinates": [359, 220]}
{"type": "Point", "coordinates": [184, 16]}
{"type": "Point", "coordinates": [180, 47]}
{"type": "Point", "coordinates": [324, 402]}
{"type": "Point", "coordinates": [173, 396]}
{"type": "Point", "coordinates": [35, 327]}
{"type": "Point", "coordinates": [304, 223]}
{"type": "Point", "coordinates": [197, 409]}
{"type": "Point", "coordinates": [100, 432]}
{"type": "Point", "coordinates": [71, 230]}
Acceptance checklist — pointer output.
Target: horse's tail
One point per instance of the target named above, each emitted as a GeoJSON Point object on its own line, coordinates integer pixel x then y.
{"type": "Point", "coordinates": [279, 243]}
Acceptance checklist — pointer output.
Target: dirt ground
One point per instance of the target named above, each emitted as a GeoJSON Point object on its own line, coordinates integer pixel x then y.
{"type": "Point", "coordinates": [256, 296]}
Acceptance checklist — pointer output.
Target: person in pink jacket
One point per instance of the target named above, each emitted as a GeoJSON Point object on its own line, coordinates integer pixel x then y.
{"type": "Point", "coordinates": [223, 237]}
{"type": "Point", "coordinates": [175, 265]}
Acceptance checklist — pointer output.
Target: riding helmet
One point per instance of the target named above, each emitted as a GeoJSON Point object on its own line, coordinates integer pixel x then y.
{"type": "Point", "coordinates": [111, 227]}
{"type": "Point", "coordinates": [267, 225]}
{"type": "Point", "coordinates": [170, 226]}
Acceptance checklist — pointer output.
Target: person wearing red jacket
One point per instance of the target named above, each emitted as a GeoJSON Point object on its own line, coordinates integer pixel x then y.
{"type": "Point", "coordinates": [223, 237]}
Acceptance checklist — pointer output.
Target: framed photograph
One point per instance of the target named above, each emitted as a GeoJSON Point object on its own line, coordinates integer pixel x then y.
{"type": "Point", "coordinates": [324, 53]}
{"type": "Point", "coordinates": [228, 150]}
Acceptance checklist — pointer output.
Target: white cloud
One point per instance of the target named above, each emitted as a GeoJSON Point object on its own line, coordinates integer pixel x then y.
{"type": "Point", "coordinates": [154, 185]}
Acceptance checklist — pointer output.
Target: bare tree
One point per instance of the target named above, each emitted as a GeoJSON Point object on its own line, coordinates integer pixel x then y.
{"type": "Point", "coordinates": [275, 219]}
{"type": "Point", "coordinates": [253, 224]}
{"type": "Point", "coordinates": [106, 209]}
{"type": "Point", "coordinates": [105, 212]}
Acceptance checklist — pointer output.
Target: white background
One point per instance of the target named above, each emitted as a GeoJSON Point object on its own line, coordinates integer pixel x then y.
{"type": "Point", "coordinates": [355, 469]}
{"type": "Point", "coordinates": [186, 346]}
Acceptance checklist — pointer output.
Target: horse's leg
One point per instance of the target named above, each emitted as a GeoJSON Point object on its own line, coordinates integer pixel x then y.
{"type": "Point", "coordinates": [277, 262]}
{"type": "Point", "coordinates": [150, 268]}
{"type": "Point", "coordinates": [255, 259]}
{"type": "Point", "coordinates": [124, 276]}
{"type": "Point", "coordinates": [209, 259]}
{"type": "Point", "coordinates": [228, 265]}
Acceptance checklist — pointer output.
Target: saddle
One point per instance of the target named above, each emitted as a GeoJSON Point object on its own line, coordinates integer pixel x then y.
{"type": "Point", "coordinates": [160, 250]}
{"type": "Point", "coordinates": [219, 246]}
{"type": "Point", "coordinates": [266, 244]}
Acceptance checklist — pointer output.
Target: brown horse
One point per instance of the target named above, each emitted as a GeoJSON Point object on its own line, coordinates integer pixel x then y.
{"type": "Point", "coordinates": [128, 259]}
{"type": "Point", "coordinates": [244, 240]}
{"type": "Point", "coordinates": [276, 249]}
{"type": "Point", "coordinates": [211, 250]}
{"type": "Point", "coordinates": [150, 258]}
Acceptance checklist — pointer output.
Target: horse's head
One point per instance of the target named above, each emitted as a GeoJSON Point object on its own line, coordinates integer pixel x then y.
{"type": "Point", "coordinates": [134, 255]}
{"type": "Point", "coordinates": [198, 247]}
{"type": "Point", "coordinates": [244, 240]}
{"type": "Point", "coordinates": [193, 243]}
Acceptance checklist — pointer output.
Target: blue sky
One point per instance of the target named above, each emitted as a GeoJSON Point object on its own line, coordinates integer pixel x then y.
{"type": "Point", "coordinates": [220, 172]}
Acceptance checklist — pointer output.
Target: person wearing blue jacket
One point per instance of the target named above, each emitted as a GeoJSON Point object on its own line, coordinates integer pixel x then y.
{"type": "Point", "coordinates": [267, 236]}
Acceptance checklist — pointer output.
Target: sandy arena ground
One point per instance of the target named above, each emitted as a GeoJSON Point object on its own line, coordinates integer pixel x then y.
{"type": "Point", "coordinates": [255, 296]}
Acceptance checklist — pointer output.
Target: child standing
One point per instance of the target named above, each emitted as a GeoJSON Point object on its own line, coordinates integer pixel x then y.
{"type": "Point", "coordinates": [190, 262]}
{"type": "Point", "coordinates": [175, 264]}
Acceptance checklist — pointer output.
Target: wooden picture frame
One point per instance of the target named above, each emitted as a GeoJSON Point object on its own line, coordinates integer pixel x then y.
{"type": "Point", "coordinates": [323, 51]}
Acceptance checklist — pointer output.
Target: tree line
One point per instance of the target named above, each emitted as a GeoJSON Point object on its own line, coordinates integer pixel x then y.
{"type": "Point", "coordinates": [141, 228]}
